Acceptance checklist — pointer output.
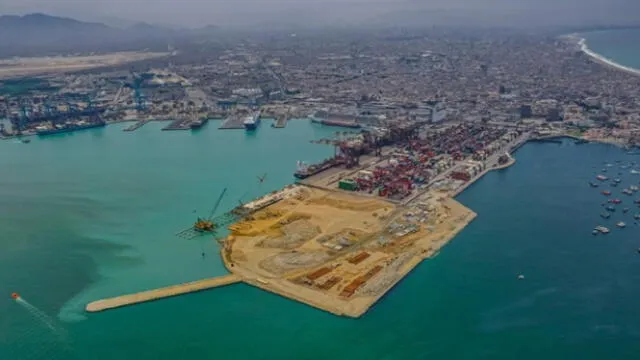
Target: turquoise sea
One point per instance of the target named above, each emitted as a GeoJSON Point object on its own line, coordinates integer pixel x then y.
{"type": "Point", "coordinates": [92, 214]}
{"type": "Point", "coordinates": [620, 45]}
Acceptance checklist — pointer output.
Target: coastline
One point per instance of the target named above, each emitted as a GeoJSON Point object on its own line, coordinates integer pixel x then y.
{"type": "Point", "coordinates": [582, 43]}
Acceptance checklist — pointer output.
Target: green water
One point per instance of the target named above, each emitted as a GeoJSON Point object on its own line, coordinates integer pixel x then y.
{"type": "Point", "coordinates": [92, 215]}
{"type": "Point", "coordinates": [619, 45]}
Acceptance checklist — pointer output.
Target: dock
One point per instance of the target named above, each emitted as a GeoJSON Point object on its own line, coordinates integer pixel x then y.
{"type": "Point", "coordinates": [233, 122]}
{"type": "Point", "coordinates": [137, 125]}
{"type": "Point", "coordinates": [178, 124]}
{"type": "Point", "coordinates": [161, 293]}
{"type": "Point", "coordinates": [281, 122]}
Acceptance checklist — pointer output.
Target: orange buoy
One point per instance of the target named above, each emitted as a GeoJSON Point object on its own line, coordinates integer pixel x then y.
{"type": "Point", "coordinates": [15, 296]}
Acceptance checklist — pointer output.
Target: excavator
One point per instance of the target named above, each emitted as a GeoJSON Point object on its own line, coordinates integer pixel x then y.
{"type": "Point", "coordinates": [207, 224]}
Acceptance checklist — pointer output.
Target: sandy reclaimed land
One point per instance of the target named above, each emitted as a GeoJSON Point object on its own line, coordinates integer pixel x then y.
{"type": "Point", "coordinates": [16, 67]}
{"type": "Point", "coordinates": [336, 251]}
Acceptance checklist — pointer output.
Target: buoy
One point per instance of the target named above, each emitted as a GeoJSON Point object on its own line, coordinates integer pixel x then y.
{"type": "Point", "coordinates": [520, 277]}
{"type": "Point", "coordinates": [15, 296]}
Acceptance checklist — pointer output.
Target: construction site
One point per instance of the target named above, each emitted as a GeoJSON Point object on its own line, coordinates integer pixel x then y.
{"type": "Point", "coordinates": [335, 251]}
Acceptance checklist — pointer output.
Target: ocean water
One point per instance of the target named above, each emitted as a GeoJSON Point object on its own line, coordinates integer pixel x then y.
{"type": "Point", "coordinates": [92, 215]}
{"type": "Point", "coordinates": [621, 46]}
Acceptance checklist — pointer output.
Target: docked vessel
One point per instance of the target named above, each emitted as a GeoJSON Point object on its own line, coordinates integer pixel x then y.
{"type": "Point", "coordinates": [304, 170]}
{"type": "Point", "coordinates": [68, 127]}
{"type": "Point", "coordinates": [197, 124]}
{"type": "Point", "coordinates": [324, 118]}
{"type": "Point", "coordinates": [251, 122]}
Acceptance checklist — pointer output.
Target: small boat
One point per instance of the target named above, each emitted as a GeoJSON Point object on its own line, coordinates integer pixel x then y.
{"type": "Point", "coordinates": [615, 201]}
{"type": "Point", "coordinates": [592, 184]}
{"type": "Point", "coordinates": [625, 210]}
{"type": "Point", "coordinates": [621, 225]}
{"type": "Point", "coordinates": [606, 192]}
{"type": "Point", "coordinates": [25, 141]}
{"type": "Point", "coordinates": [602, 229]}
{"type": "Point", "coordinates": [627, 192]}
{"type": "Point", "coordinates": [604, 170]}
{"type": "Point", "coordinates": [611, 208]}
{"type": "Point", "coordinates": [636, 216]}
{"type": "Point", "coordinates": [636, 201]}
{"type": "Point", "coordinates": [635, 172]}
{"type": "Point", "coordinates": [602, 177]}
{"type": "Point", "coordinates": [595, 232]}
{"type": "Point", "coordinates": [614, 184]}
{"type": "Point", "coordinates": [605, 215]}
{"type": "Point", "coordinates": [634, 188]}
{"type": "Point", "coordinates": [617, 180]}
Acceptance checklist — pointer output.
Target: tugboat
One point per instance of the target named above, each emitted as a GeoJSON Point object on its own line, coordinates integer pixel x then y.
{"type": "Point", "coordinates": [621, 225]}
{"type": "Point", "coordinates": [606, 192]}
{"type": "Point", "coordinates": [605, 215]}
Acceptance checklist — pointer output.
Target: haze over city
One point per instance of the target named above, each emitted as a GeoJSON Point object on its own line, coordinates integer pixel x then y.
{"type": "Point", "coordinates": [256, 13]}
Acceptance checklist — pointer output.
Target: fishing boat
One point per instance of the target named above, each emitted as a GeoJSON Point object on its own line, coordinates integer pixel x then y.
{"type": "Point", "coordinates": [621, 225]}
{"type": "Point", "coordinates": [605, 215]}
{"type": "Point", "coordinates": [602, 229]}
{"type": "Point", "coordinates": [606, 192]}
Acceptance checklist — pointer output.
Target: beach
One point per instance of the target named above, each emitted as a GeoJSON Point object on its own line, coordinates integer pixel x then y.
{"type": "Point", "coordinates": [582, 43]}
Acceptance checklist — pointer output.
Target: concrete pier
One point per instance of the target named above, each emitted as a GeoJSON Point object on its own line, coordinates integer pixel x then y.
{"type": "Point", "coordinates": [137, 125]}
{"type": "Point", "coordinates": [161, 293]}
{"type": "Point", "coordinates": [281, 122]}
{"type": "Point", "coordinates": [234, 121]}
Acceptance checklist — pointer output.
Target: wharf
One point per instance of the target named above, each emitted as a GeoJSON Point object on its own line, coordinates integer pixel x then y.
{"type": "Point", "coordinates": [161, 293]}
{"type": "Point", "coordinates": [233, 122]}
{"type": "Point", "coordinates": [137, 125]}
{"type": "Point", "coordinates": [281, 122]}
{"type": "Point", "coordinates": [178, 124]}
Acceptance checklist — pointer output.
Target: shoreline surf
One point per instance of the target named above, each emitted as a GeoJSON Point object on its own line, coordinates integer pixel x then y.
{"type": "Point", "coordinates": [601, 59]}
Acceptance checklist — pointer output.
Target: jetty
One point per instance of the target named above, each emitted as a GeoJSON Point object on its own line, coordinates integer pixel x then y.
{"type": "Point", "coordinates": [235, 121]}
{"type": "Point", "coordinates": [161, 293]}
{"type": "Point", "coordinates": [281, 122]}
{"type": "Point", "coordinates": [137, 125]}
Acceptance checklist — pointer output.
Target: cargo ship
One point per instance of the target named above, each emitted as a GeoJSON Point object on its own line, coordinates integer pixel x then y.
{"type": "Point", "coordinates": [70, 127]}
{"type": "Point", "coordinates": [197, 124]}
{"type": "Point", "coordinates": [251, 122]}
{"type": "Point", "coordinates": [334, 120]}
{"type": "Point", "coordinates": [304, 170]}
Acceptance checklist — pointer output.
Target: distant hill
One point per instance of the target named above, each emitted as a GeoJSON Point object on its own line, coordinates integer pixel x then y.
{"type": "Point", "coordinates": [41, 34]}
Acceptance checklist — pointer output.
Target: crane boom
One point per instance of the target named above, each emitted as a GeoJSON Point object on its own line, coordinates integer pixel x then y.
{"type": "Point", "coordinates": [215, 207]}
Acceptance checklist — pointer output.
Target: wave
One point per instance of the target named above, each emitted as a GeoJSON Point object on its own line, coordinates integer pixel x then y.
{"type": "Point", "coordinates": [582, 42]}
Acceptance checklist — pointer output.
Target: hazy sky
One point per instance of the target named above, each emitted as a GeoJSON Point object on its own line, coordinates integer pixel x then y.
{"type": "Point", "coordinates": [327, 12]}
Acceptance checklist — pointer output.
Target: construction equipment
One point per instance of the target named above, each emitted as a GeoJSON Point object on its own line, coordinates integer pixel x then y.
{"type": "Point", "coordinates": [207, 224]}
